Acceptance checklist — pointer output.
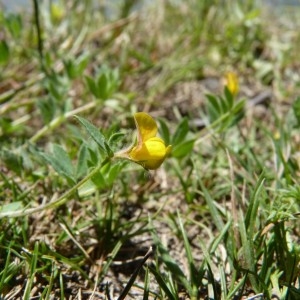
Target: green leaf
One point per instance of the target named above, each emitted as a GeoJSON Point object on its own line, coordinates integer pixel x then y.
{"type": "Point", "coordinates": [296, 110]}
{"type": "Point", "coordinates": [14, 24]}
{"type": "Point", "coordinates": [238, 112]}
{"type": "Point", "coordinates": [31, 276]}
{"type": "Point", "coordinates": [255, 201]}
{"type": "Point", "coordinates": [248, 251]}
{"type": "Point", "coordinates": [58, 87]}
{"type": "Point", "coordinates": [92, 86]}
{"type": "Point", "coordinates": [47, 108]}
{"type": "Point", "coordinates": [13, 161]}
{"type": "Point", "coordinates": [113, 172]}
{"type": "Point", "coordinates": [164, 131]}
{"type": "Point", "coordinates": [216, 215]}
{"type": "Point", "coordinates": [224, 112]}
{"type": "Point", "coordinates": [99, 180]}
{"type": "Point", "coordinates": [102, 87]}
{"type": "Point", "coordinates": [82, 166]}
{"type": "Point", "coordinates": [60, 162]}
{"type": "Point", "coordinates": [4, 52]}
{"type": "Point", "coordinates": [146, 284]}
{"type": "Point", "coordinates": [224, 105]}
{"type": "Point", "coordinates": [63, 159]}
{"type": "Point", "coordinates": [194, 275]}
{"type": "Point", "coordinates": [183, 149]}
{"type": "Point", "coordinates": [162, 284]}
{"type": "Point", "coordinates": [70, 68]}
{"type": "Point", "coordinates": [229, 97]}
{"type": "Point", "coordinates": [213, 108]}
{"type": "Point", "coordinates": [96, 135]}
{"type": "Point", "coordinates": [93, 158]}
{"type": "Point", "coordinates": [238, 107]}
{"type": "Point", "coordinates": [87, 188]}
{"type": "Point", "coordinates": [105, 84]}
{"type": "Point", "coordinates": [181, 132]}
{"type": "Point", "coordinates": [81, 63]}
{"type": "Point", "coordinates": [115, 137]}
{"type": "Point", "coordinates": [75, 68]}
{"type": "Point", "coordinates": [170, 263]}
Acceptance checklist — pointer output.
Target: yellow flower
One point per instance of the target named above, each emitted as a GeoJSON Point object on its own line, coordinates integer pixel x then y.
{"type": "Point", "coordinates": [149, 151]}
{"type": "Point", "coordinates": [232, 83]}
{"type": "Point", "coordinates": [57, 12]}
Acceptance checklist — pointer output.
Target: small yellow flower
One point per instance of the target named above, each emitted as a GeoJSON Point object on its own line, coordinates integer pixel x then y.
{"type": "Point", "coordinates": [232, 83]}
{"type": "Point", "coordinates": [57, 12]}
{"type": "Point", "coordinates": [149, 151]}
{"type": "Point", "coordinates": [277, 135]}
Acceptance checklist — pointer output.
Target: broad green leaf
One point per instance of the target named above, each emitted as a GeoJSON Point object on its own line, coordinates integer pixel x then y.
{"type": "Point", "coordinates": [238, 112]}
{"type": "Point", "coordinates": [82, 166]}
{"type": "Point", "coordinates": [229, 97]}
{"type": "Point", "coordinates": [181, 132]}
{"type": "Point", "coordinates": [63, 159]}
{"type": "Point", "coordinates": [183, 149]}
{"type": "Point", "coordinates": [97, 136]}
{"type": "Point", "coordinates": [60, 162]}
{"type": "Point", "coordinates": [93, 158]}
{"type": "Point", "coordinates": [213, 108]}
{"type": "Point", "coordinates": [99, 180]}
{"type": "Point", "coordinates": [238, 107]}
{"type": "Point", "coordinates": [113, 172]}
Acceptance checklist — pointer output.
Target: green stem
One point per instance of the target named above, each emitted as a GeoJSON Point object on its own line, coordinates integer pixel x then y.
{"type": "Point", "coordinates": [56, 202]}
{"type": "Point", "coordinates": [59, 120]}
{"type": "Point", "coordinates": [38, 28]}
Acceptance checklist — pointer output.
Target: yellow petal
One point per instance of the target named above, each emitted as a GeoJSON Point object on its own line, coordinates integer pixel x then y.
{"type": "Point", "coordinates": [153, 148]}
{"type": "Point", "coordinates": [232, 83]}
{"type": "Point", "coordinates": [152, 164]}
{"type": "Point", "coordinates": [146, 127]}
{"type": "Point", "coordinates": [155, 163]}
{"type": "Point", "coordinates": [151, 153]}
